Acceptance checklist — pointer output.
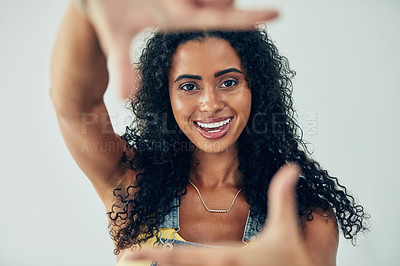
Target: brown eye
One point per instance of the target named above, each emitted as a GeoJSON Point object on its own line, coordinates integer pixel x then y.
{"type": "Point", "coordinates": [229, 83]}
{"type": "Point", "coordinates": [188, 87]}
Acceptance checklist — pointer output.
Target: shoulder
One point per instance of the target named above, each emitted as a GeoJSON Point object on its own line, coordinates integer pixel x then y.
{"type": "Point", "coordinates": [321, 236]}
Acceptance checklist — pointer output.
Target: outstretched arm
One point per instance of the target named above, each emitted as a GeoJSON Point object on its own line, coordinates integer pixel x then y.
{"type": "Point", "coordinates": [79, 79]}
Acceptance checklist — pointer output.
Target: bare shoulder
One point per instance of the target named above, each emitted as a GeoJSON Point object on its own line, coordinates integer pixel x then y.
{"type": "Point", "coordinates": [321, 237]}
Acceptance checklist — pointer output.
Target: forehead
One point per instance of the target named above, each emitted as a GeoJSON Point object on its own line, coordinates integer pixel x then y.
{"type": "Point", "coordinates": [202, 57]}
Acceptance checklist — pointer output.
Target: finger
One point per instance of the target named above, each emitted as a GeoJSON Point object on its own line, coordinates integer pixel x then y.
{"type": "Point", "coordinates": [232, 18]}
{"type": "Point", "coordinates": [282, 210]}
{"type": "Point", "coordinates": [122, 69]}
{"type": "Point", "coordinates": [176, 257]}
{"type": "Point", "coordinates": [219, 18]}
{"type": "Point", "coordinates": [215, 3]}
{"type": "Point", "coordinates": [186, 256]}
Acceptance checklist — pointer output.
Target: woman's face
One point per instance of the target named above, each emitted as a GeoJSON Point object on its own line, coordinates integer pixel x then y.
{"type": "Point", "coordinates": [209, 94]}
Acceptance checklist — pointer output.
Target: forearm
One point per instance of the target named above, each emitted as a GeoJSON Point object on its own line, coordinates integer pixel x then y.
{"type": "Point", "coordinates": [79, 75]}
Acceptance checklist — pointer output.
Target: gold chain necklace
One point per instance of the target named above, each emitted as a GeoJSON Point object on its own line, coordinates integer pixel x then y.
{"type": "Point", "coordinates": [215, 210]}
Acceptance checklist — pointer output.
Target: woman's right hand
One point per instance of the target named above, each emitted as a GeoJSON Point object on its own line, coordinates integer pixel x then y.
{"type": "Point", "coordinates": [116, 22]}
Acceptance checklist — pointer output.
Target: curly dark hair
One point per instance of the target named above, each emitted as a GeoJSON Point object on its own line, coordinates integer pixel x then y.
{"type": "Point", "coordinates": [163, 154]}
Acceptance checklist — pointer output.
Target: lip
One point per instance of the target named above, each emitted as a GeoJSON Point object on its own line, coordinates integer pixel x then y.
{"type": "Point", "coordinates": [214, 135]}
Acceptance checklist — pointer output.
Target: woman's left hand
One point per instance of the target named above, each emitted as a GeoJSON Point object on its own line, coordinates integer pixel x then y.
{"type": "Point", "coordinates": [280, 243]}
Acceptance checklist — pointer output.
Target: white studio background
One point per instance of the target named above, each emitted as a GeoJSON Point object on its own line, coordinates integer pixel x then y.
{"type": "Point", "coordinates": [346, 54]}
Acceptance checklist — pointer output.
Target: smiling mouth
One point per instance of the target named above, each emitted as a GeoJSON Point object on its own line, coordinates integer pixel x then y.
{"type": "Point", "coordinates": [214, 130]}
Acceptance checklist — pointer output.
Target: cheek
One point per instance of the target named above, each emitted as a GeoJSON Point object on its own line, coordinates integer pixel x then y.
{"type": "Point", "coordinates": [182, 107]}
{"type": "Point", "coordinates": [243, 103]}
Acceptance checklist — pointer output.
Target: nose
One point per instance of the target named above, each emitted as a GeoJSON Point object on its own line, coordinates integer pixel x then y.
{"type": "Point", "coordinates": [211, 101]}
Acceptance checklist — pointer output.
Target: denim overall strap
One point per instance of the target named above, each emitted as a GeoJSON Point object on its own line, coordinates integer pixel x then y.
{"type": "Point", "coordinates": [251, 229]}
{"type": "Point", "coordinates": [172, 219]}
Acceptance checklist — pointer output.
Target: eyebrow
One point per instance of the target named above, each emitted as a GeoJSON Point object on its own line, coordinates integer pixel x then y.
{"type": "Point", "coordinates": [187, 76]}
{"type": "Point", "coordinates": [219, 73]}
{"type": "Point", "coordinates": [232, 69]}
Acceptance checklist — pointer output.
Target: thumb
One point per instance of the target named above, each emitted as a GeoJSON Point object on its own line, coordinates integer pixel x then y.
{"type": "Point", "coordinates": [282, 210]}
{"type": "Point", "coordinates": [247, 18]}
{"type": "Point", "coordinates": [122, 68]}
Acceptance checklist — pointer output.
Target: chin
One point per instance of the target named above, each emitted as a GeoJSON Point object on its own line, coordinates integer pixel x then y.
{"type": "Point", "coordinates": [214, 146]}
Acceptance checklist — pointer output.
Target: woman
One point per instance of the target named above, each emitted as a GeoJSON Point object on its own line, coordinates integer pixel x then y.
{"type": "Point", "coordinates": [214, 122]}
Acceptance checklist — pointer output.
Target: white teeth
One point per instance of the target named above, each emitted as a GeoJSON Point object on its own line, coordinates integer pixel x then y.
{"type": "Point", "coordinates": [214, 125]}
